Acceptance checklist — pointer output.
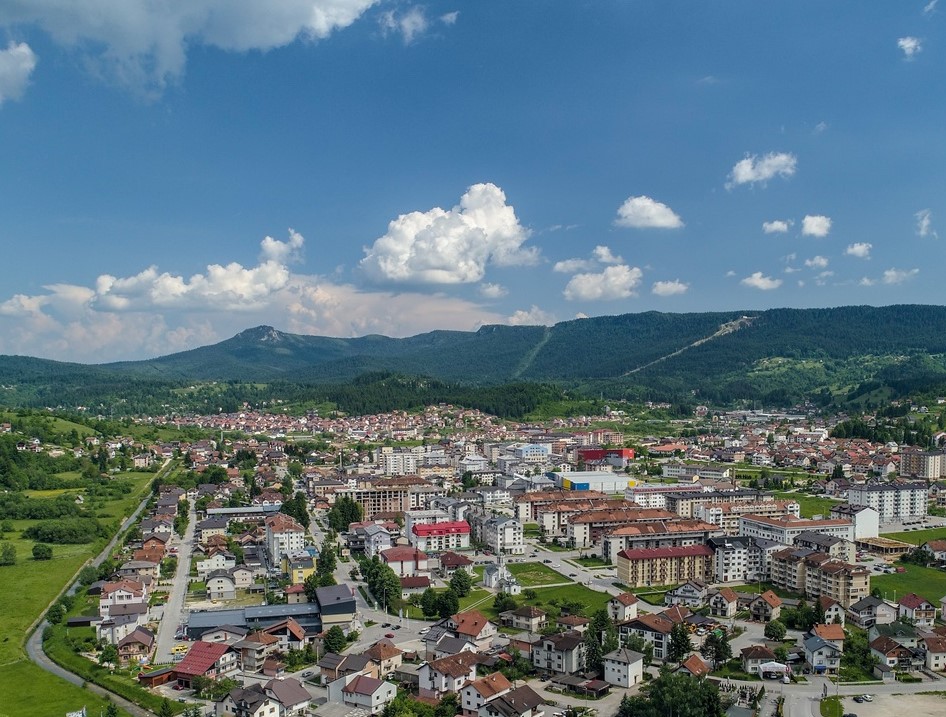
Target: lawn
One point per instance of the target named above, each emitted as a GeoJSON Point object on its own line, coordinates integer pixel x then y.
{"type": "Point", "coordinates": [532, 574]}
{"type": "Point", "coordinates": [593, 600]}
{"type": "Point", "coordinates": [531, 530]}
{"type": "Point", "coordinates": [759, 588]}
{"type": "Point", "coordinates": [831, 707]}
{"type": "Point", "coordinates": [28, 690]}
{"type": "Point", "coordinates": [810, 505]}
{"type": "Point", "coordinates": [926, 582]}
{"type": "Point", "coordinates": [917, 537]}
{"type": "Point", "coordinates": [592, 562]}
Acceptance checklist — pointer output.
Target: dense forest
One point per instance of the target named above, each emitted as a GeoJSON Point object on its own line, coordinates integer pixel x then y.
{"type": "Point", "coordinates": [856, 356]}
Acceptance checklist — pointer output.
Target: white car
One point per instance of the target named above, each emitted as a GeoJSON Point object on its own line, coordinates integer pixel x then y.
{"type": "Point", "coordinates": [424, 631]}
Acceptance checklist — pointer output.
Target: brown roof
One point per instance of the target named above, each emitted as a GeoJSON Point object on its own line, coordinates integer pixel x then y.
{"type": "Point", "coordinates": [771, 598]}
{"type": "Point", "coordinates": [282, 523]}
{"type": "Point", "coordinates": [455, 665]}
{"type": "Point", "coordinates": [655, 623]}
{"type": "Point", "coordinates": [728, 594]}
{"type": "Point", "coordinates": [382, 650]}
{"type": "Point", "coordinates": [626, 598]}
{"type": "Point", "coordinates": [913, 601]}
{"type": "Point", "coordinates": [935, 644]}
{"type": "Point", "coordinates": [490, 685]}
{"type": "Point", "coordinates": [832, 632]}
{"type": "Point", "coordinates": [677, 613]}
{"type": "Point", "coordinates": [694, 663]}
{"type": "Point", "coordinates": [470, 622]}
{"type": "Point", "coordinates": [757, 652]}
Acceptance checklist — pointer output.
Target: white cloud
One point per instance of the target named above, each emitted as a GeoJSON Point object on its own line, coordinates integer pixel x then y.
{"type": "Point", "coordinates": [752, 168]}
{"type": "Point", "coordinates": [815, 225]}
{"type": "Point", "coordinates": [570, 266]}
{"type": "Point", "coordinates": [16, 65]}
{"type": "Point", "coordinates": [450, 18]}
{"type": "Point", "coordinates": [866, 281]}
{"type": "Point", "coordinates": [924, 224]}
{"type": "Point", "coordinates": [604, 255]}
{"type": "Point", "coordinates": [144, 44]}
{"type": "Point", "coordinates": [410, 24]}
{"type": "Point", "coordinates": [730, 273]}
{"type": "Point", "coordinates": [823, 277]}
{"type": "Point", "coordinates": [282, 252]}
{"type": "Point", "coordinates": [816, 262]}
{"type": "Point", "coordinates": [646, 213]}
{"type": "Point", "coordinates": [758, 281]}
{"type": "Point", "coordinates": [615, 282]}
{"type": "Point", "coordinates": [669, 288]}
{"type": "Point", "coordinates": [776, 226]}
{"type": "Point", "coordinates": [452, 246]}
{"type": "Point", "coordinates": [930, 7]}
{"type": "Point", "coordinates": [898, 276]}
{"type": "Point", "coordinates": [911, 46]}
{"type": "Point", "coordinates": [533, 317]}
{"type": "Point", "coordinates": [859, 249]}
{"type": "Point", "coordinates": [492, 291]}
{"type": "Point", "coordinates": [820, 127]}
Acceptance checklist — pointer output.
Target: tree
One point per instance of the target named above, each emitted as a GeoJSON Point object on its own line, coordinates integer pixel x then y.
{"type": "Point", "coordinates": [326, 562]}
{"type": "Point", "coordinates": [42, 552]}
{"type": "Point", "coordinates": [166, 710]}
{"type": "Point", "coordinates": [448, 603]}
{"type": "Point", "coordinates": [56, 613]}
{"type": "Point", "coordinates": [111, 710]}
{"type": "Point", "coordinates": [448, 706]}
{"type": "Point", "coordinates": [309, 585]}
{"type": "Point", "coordinates": [8, 554]}
{"type": "Point", "coordinates": [600, 639]}
{"type": "Point", "coordinates": [108, 655]}
{"type": "Point", "coordinates": [428, 603]}
{"type": "Point", "coordinates": [461, 583]}
{"type": "Point", "coordinates": [680, 646]}
{"type": "Point", "coordinates": [716, 648]}
{"type": "Point", "coordinates": [639, 644]}
{"type": "Point", "coordinates": [626, 708]}
{"type": "Point", "coordinates": [676, 694]}
{"type": "Point", "coordinates": [503, 602]}
{"type": "Point", "coordinates": [775, 630]}
{"type": "Point", "coordinates": [334, 639]}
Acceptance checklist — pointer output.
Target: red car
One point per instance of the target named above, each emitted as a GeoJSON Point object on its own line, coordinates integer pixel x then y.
{"type": "Point", "coordinates": [389, 634]}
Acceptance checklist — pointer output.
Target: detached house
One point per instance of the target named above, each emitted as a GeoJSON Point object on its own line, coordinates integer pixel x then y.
{"type": "Point", "coordinates": [361, 691]}
{"type": "Point", "coordinates": [478, 692]}
{"type": "Point", "coordinates": [919, 611]}
{"type": "Point", "coordinates": [448, 674]}
{"type": "Point", "coordinates": [520, 702]}
{"type": "Point", "coordinates": [821, 655]}
{"type": "Point", "coordinates": [870, 611]}
{"type": "Point", "coordinates": [562, 654]}
{"type": "Point", "coordinates": [898, 657]}
{"type": "Point", "coordinates": [474, 626]}
{"type": "Point", "coordinates": [935, 653]}
{"type": "Point", "coordinates": [724, 603]}
{"type": "Point", "coordinates": [766, 607]}
{"type": "Point", "coordinates": [623, 667]}
{"type": "Point", "coordinates": [623, 607]}
{"type": "Point", "coordinates": [527, 617]}
{"type": "Point", "coordinates": [692, 594]}
{"type": "Point", "coordinates": [755, 656]}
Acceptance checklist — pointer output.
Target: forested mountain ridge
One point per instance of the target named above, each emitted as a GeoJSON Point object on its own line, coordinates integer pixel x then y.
{"type": "Point", "coordinates": [778, 355]}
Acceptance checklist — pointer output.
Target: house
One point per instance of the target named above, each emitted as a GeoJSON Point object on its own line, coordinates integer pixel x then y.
{"type": "Point", "coordinates": [221, 585]}
{"type": "Point", "coordinates": [832, 633]}
{"type": "Point", "coordinates": [902, 633]}
{"type": "Point", "coordinates": [451, 562]}
{"type": "Point", "coordinates": [294, 699]}
{"type": "Point", "coordinates": [919, 611]}
{"type": "Point", "coordinates": [214, 660]}
{"type": "Point", "coordinates": [415, 584]}
{"type": "Point", "coordinates": [623, 667]}
{"type": "Point", "coordinates": [405, 561]}
{"type": "Point", "coordinates": [246, 702]}
{"type": "Point", "coordinates": [870, 611]}
{"type": "Point", "coordinates": [936, 548]}
{"type": "Point", "coordinates": [724, 603]}
{"type": "Point", "coordinates": [291, 634]}
{"type": "Point", "coordinates": [754, 656]}
{"type": "Point", "coordinates": [474, 626]}
{"type": "Point", "coordinates": [766, 607]}
{"type": "Point", "coordinates": [367, 693]}
{"type": "Point", "coordinates": [821, 656]}
{"type": "Point", "coordinates": [136, 647]}
{"type": "Point", "coordinates": [898, 657]}
{"type": "Point", "coordinates": [385, 655]}
{"type": "Point", "coordinates": [561, 654]}
{"type": "Point", "coordinates": [935, 653]}
{"type": "Point", "coordinates": [692, 594]}
{"type": "Point", "coordinates": [623, 607]}
{"type": "Point", "coordinates": [527, 617]}
{"type": "Point", "coordinates": [447, 674]}
{"type": "Point", "coordinates": [478, 692]}
{"type": "Point", "coordinates": [520, 702]}
{"type": "Point", "coordinates": [574, 623]}
{"type": "Point", "coordinates": [694, 667]}
{"type": "Point", "coordinates": [254, 649]}
{"type": "Point", "coordinates": [654, 628]}
{"type": "Point", "coordinates": [833, 610]}
{"type": "Point", "coordinates": [218, 560]}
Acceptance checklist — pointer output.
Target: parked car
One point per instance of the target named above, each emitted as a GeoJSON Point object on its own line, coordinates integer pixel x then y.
{"type": "Point", "coordinates": [573, 575]}
{"type": "Point", "coordinates": [389, 634]}
{"type": "Point", "coordinates": [868, 698]}
{"type": "Point", "coordinates": [307, 673]}
{"type": "Point", "coordinates": [858, 698]}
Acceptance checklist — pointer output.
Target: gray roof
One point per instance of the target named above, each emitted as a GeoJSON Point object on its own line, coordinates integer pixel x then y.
{"type": "Point", "coordinates": [287, 692]}
{"type": "Point", "coordinates": [624, 656]}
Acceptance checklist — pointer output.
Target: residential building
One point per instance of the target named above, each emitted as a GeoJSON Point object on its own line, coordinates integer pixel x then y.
{"type": "Point", "coordinates": [623, 667]}
{"type": "Point", "coordinates": [831, 545]}
{"type": "Point", "coordinates": [284, 536]}
{"type": "Point", "coordinates": [447, 674]}
{"type": "Point", "coordinates": [916, 610]}
{"type": "Point", "coordinates": [693, 593]}
{"type": "Point", "coordinates": [213, 660]}
{"type": "Point", "coordinates": [726, 515]}
{"type": "Point", "coordinates": [785, 529]}
{"type": "Point", "coordinates": [623, 607]}
{"type": "Point", "coordinates": [363, 692]}
{"type": "Point", "coordinates": [724, 603]}
{"type": "Point", "coordinates": [386, 655]}
{"type": "Point", "coordinates": [815, 574]}
{"type": "Point", "coordinates": [664, 566]}
{"type": "Point", "coordinates": [754, 656]}
{"type": "Point", "coordinates": [293, 698]}
{"type": "Point", "coordinates": [520, 702]}
{"type": "Point", "coordinates": [438, 537]}
{"type": "Point", "coordinates": [249, 701]}
{"type": "Point", "coordinates": [742, 559]}
{"type": "Point", "coordinates": [527, 617]}
{"type": "Point", "coordinates": [502, 535]}
{"type": "Point", "coordinates": [766, 607]}
{"type": "Point", "coordinates": [935, 653]}
{"type": "Point", "coordinates": [654, 628]}
{"type": "Point", "coordinates": [866, 520]}
{"type": "Point", "coordinates": [478, 692]}
{"type": "Point", "coordinates": [561, 654]}
{"type": "Point", "coordinates": [405, 561]}
{"type": "Point", "coordinates": [472, 625]}
{"type": "Point", "coordinates": [893, 501]}
{"type": "Point", "coordinates": [822, 656]}
{"type": "Point", "coordinates": [899, 657]}
{"type": "Point", "coordinates": [870, 610]}
{"type": "Point", "coordinates": [668, 533]}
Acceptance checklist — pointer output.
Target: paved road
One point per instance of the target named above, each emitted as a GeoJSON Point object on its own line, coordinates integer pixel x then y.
{"type": "Point", "coordinates": [172, 613]}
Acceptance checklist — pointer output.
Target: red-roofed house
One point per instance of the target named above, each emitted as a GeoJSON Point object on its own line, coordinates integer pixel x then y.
{"type": "Point", "coordinates": [623, 607]}
{"type": "Point", "coordinates": [474, 626]}
{"type": "Point", "coordinates": [437, 537]}
{"type": "Point", "coordinates": [694, 666]}
{"type": "Point", "coordinates": [724, 603]}
{"type": "Point", "coordinates": [357, 690]}
{"type": "Point", "coordinates": [766, 607]}
{"type": "Point", "coordinates": [214, 660]}
{"type": "Point", "coordinates": [478, 692]}
{"type": "Point", "coordinates": [405, 561]}
{"type": "Point", "coordinates": [919, 611]}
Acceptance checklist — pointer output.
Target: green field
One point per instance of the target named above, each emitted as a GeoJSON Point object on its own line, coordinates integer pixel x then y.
{"type": "Point", "coordinates": [810, 505]}
{"type": "Point", "coordinates": [925, 582]}
{"type": "Point", "coordinates": [917, 537]}
{"type": "Point", "coordinates": [26, 589]}
{"type": "Point", "coordinates": [533, 574]}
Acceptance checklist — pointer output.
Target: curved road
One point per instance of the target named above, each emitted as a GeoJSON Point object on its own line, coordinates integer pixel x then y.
{"type": "Point", "coordinates": [34, 644]}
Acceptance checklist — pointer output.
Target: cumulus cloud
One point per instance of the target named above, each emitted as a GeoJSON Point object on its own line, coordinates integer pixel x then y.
{"type": "Point", "coordinates": [144, 43]}
{"type": "Point", "coordinates": [758, 281]}
{"type": "Point", "coordinates": [615, 282]}
{"type": "Point", "coordinates": [410, 24]}
{"type": "Point", "coordinates": [823, 277]}
{"type": "Point", "coordinates": [911, 46]}
{"type": "Point", "coordinates": [533, 317]}
{"type": "Point", "coordinates": [753, 169]}
{"type": "Point", "coordinates": [492, 291]}
{"type": "Point", "coordinates": [604, 255]}
{"type": "Point", "coordinates": [16, 65]}
{"type": "Point", "coordinates": [600, 255]}
{"type": "Point", "coordinates": [669, 288]}
{"type": "Point", "coordinates": [646, 213]}
{"type": "Point", "coordinates": [815, 225]}
{"type": "Point", "coordinates": [924, 224]}
{"type": "Point", "coordinates": [776, 226]}
{"type": "Point", "coordinates": [859, 249]}
{"type": "Point", "coordinates": [450, 18]}
{"type": "Point", "coordinates": [866, 281]}
{"type": "Point", "coordinates": [816, 262]}
{"type": "Point", "coordinates": [152, 313]}
{"type": "Point", "coordinates": [451, 246]}
{"type": "Point", "coordinates": [898, 276]}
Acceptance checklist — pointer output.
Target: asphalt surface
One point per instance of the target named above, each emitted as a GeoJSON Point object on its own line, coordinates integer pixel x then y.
{"type": "Point", "coordinates": [172, 612]}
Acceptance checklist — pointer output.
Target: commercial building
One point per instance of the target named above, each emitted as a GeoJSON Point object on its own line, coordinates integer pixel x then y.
{"type": "Point", "coordinates": [785, 529]}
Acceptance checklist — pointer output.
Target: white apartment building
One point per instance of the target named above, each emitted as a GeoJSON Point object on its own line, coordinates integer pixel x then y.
{"type": "Point", "coordinates": [503, 535]}
{"type": "Point", "coordinates": [894, 502]}
{"type": "Point", "coordinates": [742, 559]}
{"type": "Point", "coordinates": [398, 464]}
{"type": "Point", "coordinates": [726, 515]}
{"type": "Point", "coordinates": [532, 452]}
{"type": "Point", "coordinates": [786, 528]}
{"type": "Point", "coordinates": [284, 536]}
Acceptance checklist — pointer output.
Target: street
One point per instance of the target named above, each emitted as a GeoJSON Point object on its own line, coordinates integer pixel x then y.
{"type": "Point", "coordinates": [172, 614]}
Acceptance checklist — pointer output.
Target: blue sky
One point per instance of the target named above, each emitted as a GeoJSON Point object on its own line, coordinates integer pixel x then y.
{"type": "Point", "coordinates": [176, 172]}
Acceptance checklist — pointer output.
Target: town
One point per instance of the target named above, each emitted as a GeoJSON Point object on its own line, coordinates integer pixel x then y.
{"type": "Point", "coordinates": [342, 566]}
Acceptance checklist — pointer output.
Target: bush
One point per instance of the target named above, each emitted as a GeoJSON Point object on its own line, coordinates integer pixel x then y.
{"type": "Point", "coordinates": [42, 552]}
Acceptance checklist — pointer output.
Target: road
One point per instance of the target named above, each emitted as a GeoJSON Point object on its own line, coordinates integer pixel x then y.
{"type": "Point", "coordinates": [172, 613]}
